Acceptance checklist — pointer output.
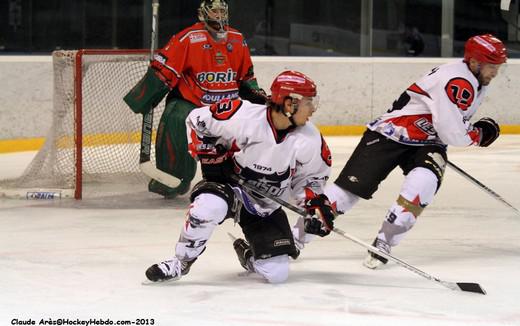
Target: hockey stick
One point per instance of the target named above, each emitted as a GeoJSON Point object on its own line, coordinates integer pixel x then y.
{"type": "Point", "coordinates": [145, 163]}
{"type": "Point", "coordinates": [456, 286]}
{"type": "Point", "coordinates": [482, 186]}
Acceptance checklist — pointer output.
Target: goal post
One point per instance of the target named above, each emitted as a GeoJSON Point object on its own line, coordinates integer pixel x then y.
{"type": "Point", "coordinates": [93, 144]}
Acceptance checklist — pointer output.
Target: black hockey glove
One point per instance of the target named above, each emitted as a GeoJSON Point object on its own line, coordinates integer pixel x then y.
{"type": "Point", "coordinates": [489, 131]}
{"type": "Point", "coordinates": [215, 162]}
{"type": "Point", "coordinates": [321, 214]}
{"type": "Point", "coordinates": [253, 95]}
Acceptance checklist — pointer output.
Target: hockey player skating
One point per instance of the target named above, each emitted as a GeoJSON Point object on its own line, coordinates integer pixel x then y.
{"type": "Point", "coordinates": [203, 64]}
{"type": "Point", "coordinates": [429, 115]}
{"type": "Point", "coordinates": [273, 148]}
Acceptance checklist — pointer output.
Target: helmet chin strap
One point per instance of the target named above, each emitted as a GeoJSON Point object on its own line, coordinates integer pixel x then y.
{"type": "Point", "coordinates": [290, 115]}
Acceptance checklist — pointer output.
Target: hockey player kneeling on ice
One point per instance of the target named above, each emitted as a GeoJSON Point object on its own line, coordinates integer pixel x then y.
{"type": "Point", "coordinates": [429, 115]}
{"type": "Point", "coordinates": [272, 147]}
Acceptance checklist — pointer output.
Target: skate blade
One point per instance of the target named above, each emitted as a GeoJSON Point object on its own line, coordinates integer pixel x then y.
{"type": "Point", "coordinates": [372, 263]}
{"type": "Point", "coordinates": [152, 283]}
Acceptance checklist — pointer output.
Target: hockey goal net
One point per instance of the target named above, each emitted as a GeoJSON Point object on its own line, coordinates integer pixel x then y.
{"type": "Point", "coordinates": [93, 145]}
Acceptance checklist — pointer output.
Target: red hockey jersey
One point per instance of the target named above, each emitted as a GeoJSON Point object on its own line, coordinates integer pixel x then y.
{"type": "Point", "coordinates": [205, 71]}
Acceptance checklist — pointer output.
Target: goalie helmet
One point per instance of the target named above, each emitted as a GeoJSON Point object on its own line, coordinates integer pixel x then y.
{"type": "Point", "coordinates": [292, 84]}
{"type": "Point", "coordinates": [214, 13]}
{"type": "Point", "coordinates": [485, 48]}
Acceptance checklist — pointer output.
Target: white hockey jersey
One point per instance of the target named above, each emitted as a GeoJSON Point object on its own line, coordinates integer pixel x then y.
{"type": "Point", "coordinates": [279, 164]}
{"type": "Point", "coordinates": [436, 109]}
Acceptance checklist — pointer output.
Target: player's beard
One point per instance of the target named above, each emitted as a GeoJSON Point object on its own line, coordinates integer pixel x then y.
{"type": "Point", "coordinates": [484, 81]}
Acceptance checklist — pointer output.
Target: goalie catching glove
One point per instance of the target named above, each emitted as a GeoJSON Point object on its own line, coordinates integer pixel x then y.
{"type": "Point", "coordinates": [489, 131]}
{"type": "Point", "coordinates": [320, 220]}
{"type": "Point", "coordinates": [215, 163]}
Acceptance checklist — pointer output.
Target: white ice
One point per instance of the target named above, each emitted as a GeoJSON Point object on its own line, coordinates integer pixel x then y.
{"type": "Point", "coordinates": [86, 259]}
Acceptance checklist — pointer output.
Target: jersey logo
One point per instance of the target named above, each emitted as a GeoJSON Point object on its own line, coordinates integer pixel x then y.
{"type": "Point", "coordinates": [460, 92]}
{"type": "Point", "coordinates": [326, 155]}
{"type": "Point", "coordinates": [272, 183]}
{"type": "Point", "coordinates": [197, 37]}
{"type": "Point", "coordinates": [426, 126]}
{"type": "Point", "coordinates": [211, 77]}
{"type": "Point", "coordinates": [225, 109]}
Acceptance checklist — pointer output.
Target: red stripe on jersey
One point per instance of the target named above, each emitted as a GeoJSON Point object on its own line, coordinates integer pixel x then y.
{"type": "Point", "coordinates": [326, 155]}
{"type": "Point", "coordinates": [416, 89]}
{"type": "Point", "coordinates": [195, 142]}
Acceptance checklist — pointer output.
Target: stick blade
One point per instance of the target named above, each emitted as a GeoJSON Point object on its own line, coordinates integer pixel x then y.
{"type": "Point", "coordinates": [471, 287]}
{"type": "Point", "coordinates": [231, 236]}
{"type": "Point", "coordinates": [153, 172]}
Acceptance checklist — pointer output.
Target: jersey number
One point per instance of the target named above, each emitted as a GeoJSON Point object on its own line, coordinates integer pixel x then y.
{"type": "Point", "coordinates": [225, 109]}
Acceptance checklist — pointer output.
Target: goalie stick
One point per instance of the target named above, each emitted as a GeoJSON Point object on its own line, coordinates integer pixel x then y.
{"type": "Point", "coordinates": [482, 186]}
{"type": "Point", "coordinates": [456, 286]}
{"type": "Point", "coordinates": [145, 163]}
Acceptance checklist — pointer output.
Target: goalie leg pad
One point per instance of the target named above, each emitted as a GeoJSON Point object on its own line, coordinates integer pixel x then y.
{"type": "Point", "coordinates": [171, 146]}
{"type": "Point", "coordinates": [206, 212]}
{"type": "Point", "coordinates": [147, 93]}
{"type": "Point", "coordinates": [268, 236]}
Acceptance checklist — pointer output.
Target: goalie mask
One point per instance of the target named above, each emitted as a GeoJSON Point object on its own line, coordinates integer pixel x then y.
{"type": "Point", "coordinates": [297, 86]}
{"type": "Point", "coordinates": [486, 49]}
{"type": "Point", "coordinates": [214, 13]}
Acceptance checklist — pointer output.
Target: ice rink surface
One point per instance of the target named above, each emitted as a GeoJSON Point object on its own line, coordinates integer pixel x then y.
{"type": "Point", "coordinates": [86, 259]}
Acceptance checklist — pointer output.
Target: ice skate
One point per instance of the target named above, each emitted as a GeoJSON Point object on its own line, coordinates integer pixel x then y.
{"type": "Point", "coordinates": [374, 261]}
{"type": "Point", "coordinates": [169, 270]}
{"type": "Point", "coordinates": [244, 254]}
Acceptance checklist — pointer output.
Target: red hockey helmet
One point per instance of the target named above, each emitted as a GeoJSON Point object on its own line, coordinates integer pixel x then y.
{"type": "Point", "coordinates": [291, 83]}
{"type": "Point", "coordinates": [485, 48]}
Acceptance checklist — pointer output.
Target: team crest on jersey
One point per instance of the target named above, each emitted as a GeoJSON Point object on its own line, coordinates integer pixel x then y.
{"type": "Point", "coordinates": [197, 37]}
{"type": "Point", "coordinates": [220, 58]}
{"type": "Point", "coordinates": [460, 92]}
{"type": "Point", "coordinates": [225, 109]}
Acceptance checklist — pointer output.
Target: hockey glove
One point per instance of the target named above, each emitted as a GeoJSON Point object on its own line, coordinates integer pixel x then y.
{"type": "Point", "coordinates": [215, 163]}
{"type": "Point", "coordinates": [489, 131]}
{"type": "Point", "coordinates": [321, 214]}
{"type": "Point", "coordinates": [252, 94]}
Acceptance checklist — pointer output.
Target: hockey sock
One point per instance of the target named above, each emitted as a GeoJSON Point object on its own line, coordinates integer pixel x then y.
{"type": "Point", "coordinates": [416, 193]}
{"type": "Point", "coordinates": [205, 213]}
{"type": "Point", "coordinates": [343, 199]}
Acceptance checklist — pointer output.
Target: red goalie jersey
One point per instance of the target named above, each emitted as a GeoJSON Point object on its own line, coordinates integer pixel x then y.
{"type": "Point", "coordinates": [203, 70]}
